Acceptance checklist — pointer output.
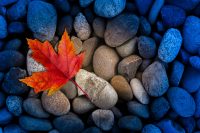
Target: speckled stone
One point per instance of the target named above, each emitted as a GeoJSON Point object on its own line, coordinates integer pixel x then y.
{"type": "Point", "coordinates": [70, 90]}
{"type": "Point", "coordinates": [77, 44]}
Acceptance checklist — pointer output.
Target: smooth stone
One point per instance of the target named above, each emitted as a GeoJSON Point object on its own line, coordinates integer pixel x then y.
{"type": "Point", "coordinates": [117, 113]}
{"type": "Point", "coordinates": [68, 124]}
{"type": "Point", "coordinates": [145, 64]}
{"type": "Point", "coordinates": [2, 99]}
{"type": "Point", "coordinates": [85, 3]}
{"type": "Point", "coordinates": [56, 104]}
{"type": "Point", "coordinates": [77, 44]}
{"type": "Point", "coordinates": [189, 124]}
{"type": "Point", "coordinates": [42, 20]}
{"type": "Point", "coordinates": [11, 83]}
{"type": "Point", "coordinates": [13, 44]}
{"type": "Point", "coordinates": [109, 8]}
{"type": "Point", "coordinates": [138, 109]}
{"type": "Point", "coordinates": [177, 70]}
{"type": "Point", "coordinates": [177, 16]}
{"type": "Point", "coordinates": [197, 101]}
{"type": "Point", "coordinates": [89, 47]}
{"type": "Point", "coordinates": [34, 124]}
{"type": "Point", "coordinates": [195, 62]}
{"type": "Point", "coordinates": [139, 91]}
{"type": "Point", "coordinates": [105, 61]}
{"type": "Point", "coordinates": [63, 5]}
{"type": "Point", "coordinates": [189, 80]}
{"type": "Point", "coordinates": [54, 131]}
{"type": "Point", "coordinates": [33, 107]}
{"type": "Point", "coordinates": [170, 45]}
{"type": "Point", "coordinates": [99, 26]}
{"type": "Point", "coordinates": [129, 65]}
{"type": "Point", "coordinates": [100, 92]}
{"type": "Point", "coordinates": [122, 87]}
{"type": "Point", "coordinates": [70, 90]}
{"type": "Point", "coordinates": [143, 6]}
{"type": "Point", "coordinates": [10, 58]}
{"type": "Point", "coordinates": [181, 101]}
{"type": "Point", "coordinates": [7, 2]}
{"type": "Point", "coordinates": [81, 27]}
{"type": "Point", "coordinates": [5, 116]}
{"type": "Point", "coordinates": [14, 105]}
{"type": "Point", "coordinates": [92, 130]}
{"type": "Point", "coordinates": [103, 119]}
{"type": "Point", "coordinates": [145, 26]}
{"type": "Point", "coordinates": [155, 80]}
{"type": "Point", "coordinates": [184, 56]}
{"type": "Point", "coordinates": [160, 26]}
{"type": "Point", "coordinates": [13, 128]}
{"type": "Point", "coordinates": [130, 122]}
{"type": "Point", "coordinates": [82, 105]}
{"type": "Point", "coordinates": [150, 128]}
{"type": "Point", "coordinates": [155, 9]}
{"type": "Point", "coordinates": [32, 65]}
{"type": "Point", "coordinates": [157, 37]}
{"type": "Point", "coordinates": [18, 10]}
{"type": "Point", "coordinates": [89, 14]}
{"type": "Point", "coordinates": [3, 28]}
{"type": "Point", "coordinates": [127, 48]}
{"type": "Point", "coordinates": [65, 22]}
{"type": "Point", "coordinates": [3, 10]}
{"type": "Point", "coordinates": [124, 32]}
{"type": "Point", "coordinates": [147, 47]}
{"type": "Point", "coordinates": [185, 4]}
{"type": "Point", "coordinates": [159, 107]}
{"type": "Point", "coordinates": [191, 34]}
{"type": "Point", "coordinates": [32, 94]}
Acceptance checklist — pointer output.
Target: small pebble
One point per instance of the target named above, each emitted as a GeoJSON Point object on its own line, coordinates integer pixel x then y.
{"type": "Point", "coordinates": [81, 26]}
{"type": "Point", "coordinates": [147, 47]}
{"type": "Point", "coordinates": [99, 26]}
{"type": "Point", "coordinates": [150, 128]}
{"type": "Point", "coordinates": [33, 106]}
{"type": "Point", "coordinates": [3, 28]}
{"type": "Point", "coordinates": [170, 45]}
{"type": "Point", "coordinates": [70, 90]}
{"type": "Point", "coordinates": [65, 22]}
{"type": "Point", "coordinates": [103, 119]}
{"type": "Point", "coordinates": [155, 80]}
{"type": "Point", "coordinates": [105, 61]}
{"type": "Point", "coordinates": [195, 62]}
{"type": "Point", "coordinates": [62, 5]}
{"type": "Point", "coordinates": [13, 128]}
{"type": "Point", "coordinates": [188, 123]}
{"type": "Point", "coordinates": [129, 65]}
{"type": "Point", "coordinates": [145, 64]}
{"type": "Point", "coordinates": [145, 27]}
{"type": "Point", "coordinates": [13, 44]}
{"type": "Point", "coordinates": [34, 124]}
{"type": "Point", "coordinates": [139, 91]}
{"type": "Point", "coordinates": [14, 105]}
{"type": "Point", "coordinates": [5, 116]}
{"type": "Point", "coordinates": [109, 8]}
{"type": "Point", "coordinates": [56, 104]}
{"type": "Point", "coordinates": [124, 32]}
{"type": "Point", "coordinates": [54, 131]}
{"type": "Point", "coordinates": [184, 55]}
{"type": "Point", "coordinates": [127, 48]}
{"type": "Point", "coordinates": [7, 2]}
{"type": "Point", "coordinates": [197, 101]}
{"type": "Point", "coordinates": [77, 44]}
{"type": "Point", "coordinates": [181, 101]}
{"type": "Point", "coordinates": [117, 113]}
{"type": "Point", "coordinates": [143, 6]}
{"type": "Point", "coordinates": [85, 3]}
{"type": "Point", "coordinates": [160, 26]}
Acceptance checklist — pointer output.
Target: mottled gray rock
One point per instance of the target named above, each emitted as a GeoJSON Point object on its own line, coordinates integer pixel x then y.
{"type": "Point", "coordinates": [70, 90]}
{"type": "Point", "coordinates": [99, 26]}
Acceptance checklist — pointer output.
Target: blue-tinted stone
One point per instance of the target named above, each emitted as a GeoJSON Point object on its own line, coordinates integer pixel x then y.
{"type": "Point", "coordinates": [1, 45]}
{"type": "Point", "coordinates": [184, 55]}
{"type": "Point", "coordinates": [14, 105]}
{"type": "Point", "coordinates": [160, 26]}
{"type": "Point", "coordinates": [109, 8]}
{"type": "Point", "coordinates": [1, 77]}
{"type": "Point", "coordinates": [7, 2]}
{"type": "Point", "coordinates": [1, 130]}
{"type": "Point", "coordinates": [197, 10]}
{"type": "Point", "coordinates": [157, 37]}
{"type": "Point", "coordinates": [42, 19]}
{"type": "Point", "coordinates": [92, 130]}
{"type": "Point", "coordinates": [10, 58]}
{"type": "Point", "coordinates": [3, 28]}
{"type": "Point", "coordinates": [75, 10]}
{"type": "Point", "coordinates": [85, 3]}
{"type": "Point", "coordinates": [2, 99]}
{"type": "Point", "coordinates": [170, 45]}
{"type": "Point", "coordinates": [62, 5]}
{"type": "Point", "coordinates": [172, 16]}
{"type": "Point", "coordinates": [188, 124]}
{"type": "Point", "coordinates": [159, 107]}
{"type": "Point", "coordinates": [68, 123]}
{"type": "Point", "coordinates": [197, 101]}
{"type": "Point", "coordinates": [168, 126]}
{"type": "Point", "coordinates": [34, 124]}
{"type": "Point", "coordinates": [195, 62]}
{"type": "Point", "coordinates": [11, 83]}
{"type": "Point", "coordinates": [89, 15]}
{"type": "Point", "coordinates": [5, 116]}
{"type": "Point", "coordinates": [155, 9]}
{"type": "Point", "coordinates": [16, 28]}
{"type": "Point", "coordinates": [177, 70]}
{"type": "Point", "coordinates": [66, 22]}
{"type": "Point", "coordinates": [18, 10]}
{"type": "Point", "coordinates": [150, 128]}
{"type": "Point", "coordinates": [189, 80]}
{"type": "Point", "coordinates": [13, 128]}
{"type": "Point", "coordinates": [13, 44]}
{"type": "Point", "coordinates": [145, 27]}
{"type": "Point", "coordinates": [147, 47]}
{"type": "Point", "coordinates": [181, 101]}
{"type": "Point", "coordinates": [185, 4]}
{"type": "Point", "coordinates": [54, 131]}
{"type": "Point", "coordinates": [2, 10]}
{"type": "Point", "coordinates": [131, 7]}
{"type": "Point", "coordinates": [130, 122]}
{"type": "Point", "coordinates": [191, 34]}
{"type": "Point", "coordinates": [143, 6]}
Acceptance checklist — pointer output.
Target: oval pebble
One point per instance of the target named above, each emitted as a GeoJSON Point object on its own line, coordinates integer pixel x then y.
{"type": "Point", "coordinates": [14, 105]}
{"type": "Point", "coordinates": [70, 90]}
{"type": "Point", "coordinates": [195, 62]}
{"type": "Point", "coordinates": [145, 27]}
{"type": "Point", "coordinates": [181, 101]}
{"type": "Point", "coordinates": [3, 28]}
{"type": "Point", "coordinates": [143, 6]}
{"type": "Point", "coordinates": [150, 128]}
{"type": "Point", "coordinates": [155, 80]}
{"type": "Point", "coordinates": [99, 26]}
{"type": "Point", "coordinates": [56, 104]}
{"type": "Point", "coordinates": [132, 123]}
{"type": "Point", "coordinates": [13, 128]}
{"type": "Point", "coordinates": [103, 119]}
{"type": "Point", "coordinates": [65, 22]}
{"type": "Point", "coordinates": [33, 106]}
{"type": "Point", "coordinates": [124, 32]}
{"type": "Point", "coordinates": [5, 116]}
{"type": "Point", "coordinates": [170, 45]}
{"type": "Point", "coordinates": [105, 60]}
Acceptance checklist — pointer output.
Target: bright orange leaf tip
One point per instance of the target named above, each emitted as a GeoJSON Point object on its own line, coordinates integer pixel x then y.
{"type": "Point", "coordinates": [60, 66]}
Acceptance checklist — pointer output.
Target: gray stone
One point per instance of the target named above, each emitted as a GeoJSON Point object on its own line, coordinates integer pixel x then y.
{"type": "Point", "coordinates": [70, 90]}
{"type": "Point", "coordinates": [99, 26]}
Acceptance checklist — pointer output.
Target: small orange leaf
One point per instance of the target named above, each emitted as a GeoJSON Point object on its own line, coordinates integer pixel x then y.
{"type": "Point", "coordinates": [60, 67]}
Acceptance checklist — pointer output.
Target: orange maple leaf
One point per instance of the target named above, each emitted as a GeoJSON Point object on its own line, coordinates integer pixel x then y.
{"type": "Point", "coordinates": [60, 66]}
